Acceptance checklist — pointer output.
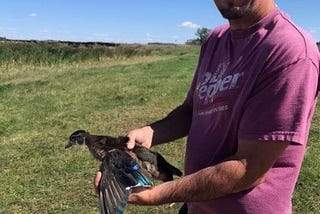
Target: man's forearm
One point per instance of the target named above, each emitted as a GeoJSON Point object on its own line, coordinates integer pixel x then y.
{"type": "Point", "coordinates": [244, 170]}
{"type": "Point", "coordinates": [173, 126]}
{"type": "Point", "coordinates": [207, 184]}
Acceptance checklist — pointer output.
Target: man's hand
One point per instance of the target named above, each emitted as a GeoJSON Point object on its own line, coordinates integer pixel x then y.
{"type": "Point", "coordinates": [142, 136]}
{"type": "Point", "coordinates": [139, 195]}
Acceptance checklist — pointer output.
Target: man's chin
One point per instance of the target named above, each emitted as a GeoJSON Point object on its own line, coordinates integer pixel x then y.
{"type": "Point", "coordinates": [232, 14]}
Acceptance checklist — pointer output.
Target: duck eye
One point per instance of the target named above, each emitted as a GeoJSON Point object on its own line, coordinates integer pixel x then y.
{"type": "Point", "coordinates": [79, 140]}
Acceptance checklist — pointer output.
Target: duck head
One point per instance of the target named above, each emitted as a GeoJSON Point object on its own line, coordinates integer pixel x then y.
{"type": "Point", "coordinates": [78, 137]}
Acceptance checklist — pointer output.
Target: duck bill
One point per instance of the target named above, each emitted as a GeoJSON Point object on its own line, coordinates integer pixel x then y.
{"type": "Point", "coordinates": [68, 145]}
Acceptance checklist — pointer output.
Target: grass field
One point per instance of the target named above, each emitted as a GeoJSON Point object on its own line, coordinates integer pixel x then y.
{"type": "Point", "coordinates": [42, 104]}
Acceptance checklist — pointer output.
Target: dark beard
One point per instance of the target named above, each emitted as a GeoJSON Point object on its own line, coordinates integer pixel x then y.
{"type": "Point", "coordinates": [235, 12]}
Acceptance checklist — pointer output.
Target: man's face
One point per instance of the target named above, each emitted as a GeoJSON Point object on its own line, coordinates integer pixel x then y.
{"type": "Point", "coordinates": [233, 9]}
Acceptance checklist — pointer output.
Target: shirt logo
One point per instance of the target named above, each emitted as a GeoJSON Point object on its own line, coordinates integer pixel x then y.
{"type": "Point", "coordinates": [214, 83]}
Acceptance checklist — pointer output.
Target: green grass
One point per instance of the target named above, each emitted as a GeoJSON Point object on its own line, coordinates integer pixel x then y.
{"type": "Point", "coordinates": [307, 195]}
{"type": "Point", "coordinates": [17, 54]}
{"type": "Point", "coordinates": [42, 104]}
{"type": "Point", "coordinates": [40, 107]}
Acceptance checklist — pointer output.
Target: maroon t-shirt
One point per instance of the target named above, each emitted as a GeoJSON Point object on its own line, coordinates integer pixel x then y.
{"type": "Point", "coordinates": [254, 84]}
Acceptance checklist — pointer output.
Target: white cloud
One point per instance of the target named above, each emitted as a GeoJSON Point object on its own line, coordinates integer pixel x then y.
{"type": "Point", "coordinates": [314, 30]}
{"type": "Point", "coordinates": [44, 34]}
{"type": "Point", "coordinates": [189, 24]}
{"type": "Point", "coordinates": [315, 33]}
{"type": "Point", "coordinates": [11, 29]}
{"type": "Point", "coordinates": [175, 39]}
{"type": "Point", "coordinates": [101, 37]}
{"type": "Point", "coordinates": [150, 38]}
{"type": "Point", "coordinates": [33, 15]}
{"type": "Point", "coordinates": [44, 31]}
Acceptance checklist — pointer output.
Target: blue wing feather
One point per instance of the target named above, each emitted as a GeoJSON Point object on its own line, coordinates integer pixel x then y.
{"type": "Point", "coordinates": [120, 173]}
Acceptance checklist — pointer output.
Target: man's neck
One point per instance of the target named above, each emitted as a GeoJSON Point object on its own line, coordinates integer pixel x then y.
{"type": "Point", "coordinates": [258, 12]}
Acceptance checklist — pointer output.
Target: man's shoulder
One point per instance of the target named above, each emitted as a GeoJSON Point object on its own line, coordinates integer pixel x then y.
{"type": "Point", "coordinates": [291, 39]}
{"type": "Point", "coordinates": [217, 33]}
{"type": "Point", "coordinates": [219, 30]}
{"type": "Point", "coordinates": [282, 42]}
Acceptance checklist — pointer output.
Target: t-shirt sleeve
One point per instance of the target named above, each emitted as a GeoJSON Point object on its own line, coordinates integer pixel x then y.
{"type": "Point", "coordinates": [281, 104]}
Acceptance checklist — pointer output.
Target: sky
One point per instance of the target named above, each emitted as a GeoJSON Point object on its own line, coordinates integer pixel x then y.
{"type": "Point", "coordinates": [128, 21]}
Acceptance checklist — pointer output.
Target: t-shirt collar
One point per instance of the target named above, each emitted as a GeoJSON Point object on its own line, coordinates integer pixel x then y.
{"type": "Point", "coordinates": [263, 23]}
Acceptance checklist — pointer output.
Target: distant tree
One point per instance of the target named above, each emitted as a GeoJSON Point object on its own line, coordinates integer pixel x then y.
{"type": "Point", "coordinates": [201, 36]}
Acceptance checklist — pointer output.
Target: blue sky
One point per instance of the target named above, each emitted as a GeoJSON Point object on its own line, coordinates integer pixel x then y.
{"type": "Point", "coordinates": [127, 21]}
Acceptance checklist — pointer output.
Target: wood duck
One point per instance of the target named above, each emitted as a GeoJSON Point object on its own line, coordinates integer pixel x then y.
{"type": "Point", "coordinates": [122, 169]}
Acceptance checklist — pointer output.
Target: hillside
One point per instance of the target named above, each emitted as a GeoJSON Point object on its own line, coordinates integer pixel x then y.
{"type": "Point", "coordinates": [22, 53]}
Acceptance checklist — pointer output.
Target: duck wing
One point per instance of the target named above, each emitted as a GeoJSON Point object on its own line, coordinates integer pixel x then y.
{"type": "Point", "coordinates": [120, 173]}
{"type": "Point", "coordinates": [156, 164]}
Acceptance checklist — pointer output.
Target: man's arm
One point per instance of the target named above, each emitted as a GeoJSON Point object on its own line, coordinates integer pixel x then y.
{"type": "Point", "coordinates": [175, 125]}
{"type": "Point", "coordinates": [244, 170]}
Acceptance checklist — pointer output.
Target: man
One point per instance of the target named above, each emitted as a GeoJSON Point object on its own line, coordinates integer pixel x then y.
{"type": "Point", "coordinates": [247, 116]}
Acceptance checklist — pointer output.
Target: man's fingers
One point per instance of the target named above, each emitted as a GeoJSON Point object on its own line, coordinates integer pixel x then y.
{"type": "Point", "coordinates": [96, 181]}
{"type": "Point", "coordinates": [131, 144]}
{"type": "Point", "coordinates": [132, 139]}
